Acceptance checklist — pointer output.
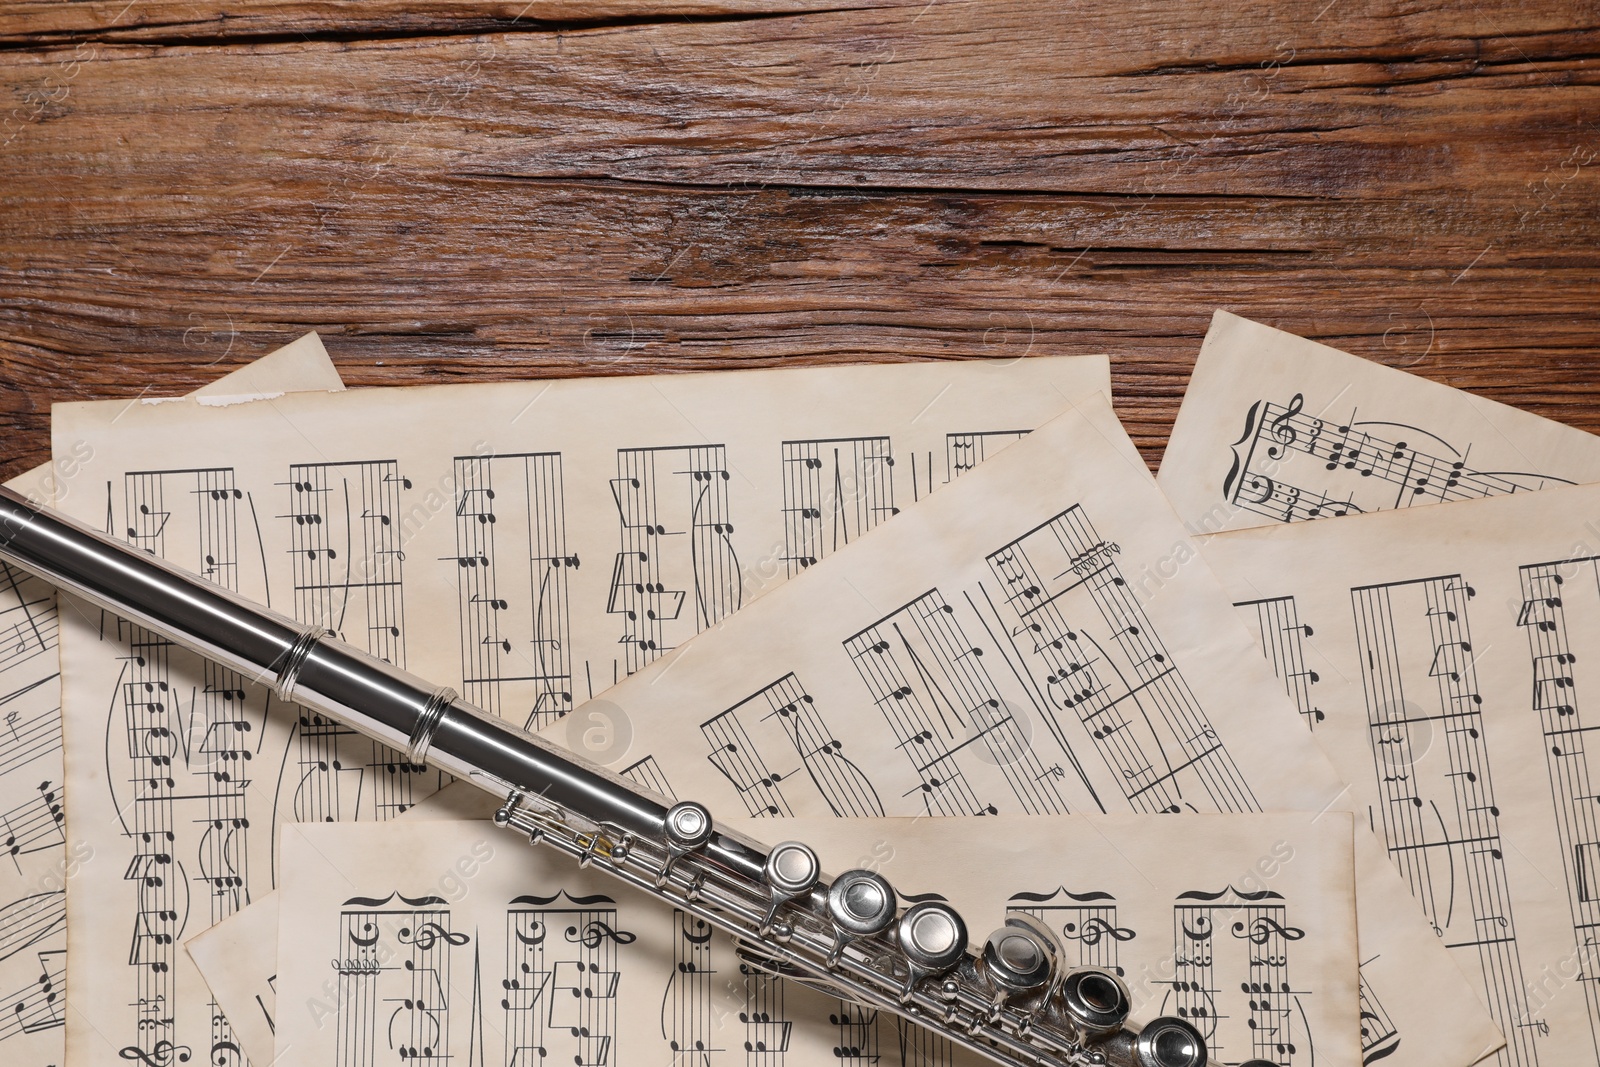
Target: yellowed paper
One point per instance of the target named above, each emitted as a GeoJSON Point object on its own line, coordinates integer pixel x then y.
{"type": "Point", "coordinates": [1040, 637]}
{"type": "Point", "coordinates": [1275, 428]}
{"type": "Point", "coordinates": [530, 543]}
{"type": "Point", "coordinates": [502, 950]}
{"type": "Point", "coordinates": [40, 858]}
{"type": "Point", "coordinates": [1443, 657]}
{"type": "Point", "coordinates": [238, 960]}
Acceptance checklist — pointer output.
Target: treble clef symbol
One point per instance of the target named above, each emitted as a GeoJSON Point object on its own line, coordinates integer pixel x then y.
{"type": "Point", "coordinates": [164, 1054]}
{"type": "Point", "coordinates": [1262, 929]}
{"type": "Point", "coordinates": [596, 932]}
{"type": "Point", "coordinates": [1282, 426]}
{"type": "Point", "coordinates": [1096, 928]}
{"type": "Point", "coordinates": [428, 933]}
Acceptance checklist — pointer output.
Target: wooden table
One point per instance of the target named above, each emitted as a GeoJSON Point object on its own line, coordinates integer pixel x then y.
{"type": "Point", "coordinates": [458, 191]}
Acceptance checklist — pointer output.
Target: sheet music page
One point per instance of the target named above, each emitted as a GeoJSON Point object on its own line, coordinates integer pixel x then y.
{"type": "Point", "coordinates": [1275, 428]}
{"type": "Point", "coordinates": [32, 832]}
{"type": "Point", "coordinates": [237, 959]}
{"type": "Point", "coordinates": [1040, 637]}
{"type": "Point", "coordinates": [530, 543]}
{"type": "Point", "coordinates": [421, 940]}
{"type": "Point", "coordinates": [1443, 658]}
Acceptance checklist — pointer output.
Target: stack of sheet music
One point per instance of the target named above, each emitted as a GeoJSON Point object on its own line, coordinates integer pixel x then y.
{"type": "Point", "coordinates": [1320, 787]}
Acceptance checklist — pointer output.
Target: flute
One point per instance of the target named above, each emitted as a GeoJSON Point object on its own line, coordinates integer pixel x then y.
{"type": "Point", "coordinates": [1011, 1000]}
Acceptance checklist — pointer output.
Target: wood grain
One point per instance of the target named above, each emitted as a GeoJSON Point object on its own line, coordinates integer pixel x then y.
{"type": "Point", "coordinates": [478, 191]}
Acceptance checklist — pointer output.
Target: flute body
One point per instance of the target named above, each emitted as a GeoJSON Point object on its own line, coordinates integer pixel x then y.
{"type": "Point", "coordinates": [1011, 1000]}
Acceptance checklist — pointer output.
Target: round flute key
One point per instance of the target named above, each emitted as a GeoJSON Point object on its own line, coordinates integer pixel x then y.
{"type": "Point", "coordinates": [688, 825]}
{"type": "Point", "coordinates": [792, 868]}
{"type": "Point", "coordinates": [1020, 957]}
{"type": "Point", "coordinates": [861, 903]}
{"type": "Point", "coordinates": [932, 936]}
{"type": "Point", "coordinates": [1169, 1042]}
{"type": "Point", "coordinates": [1098, 1002]}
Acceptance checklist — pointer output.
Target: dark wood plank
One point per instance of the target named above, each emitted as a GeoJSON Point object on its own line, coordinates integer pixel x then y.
{"type": "Point", "coordinates": [933, 181]}
{"type": "Point", "coordinates": [38, 22]}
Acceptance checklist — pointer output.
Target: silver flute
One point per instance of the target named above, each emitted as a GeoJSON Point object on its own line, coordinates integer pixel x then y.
{"type": "Point", "coordinates": [1012, 1001]}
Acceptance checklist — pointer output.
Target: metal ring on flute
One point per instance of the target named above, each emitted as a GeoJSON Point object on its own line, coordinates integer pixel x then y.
{"type": "Point", "coordinates": [289, 674]}
{"type": "Point", "coordinates": [428, 724]}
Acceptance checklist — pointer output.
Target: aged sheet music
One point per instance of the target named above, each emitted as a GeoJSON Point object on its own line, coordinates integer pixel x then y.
{"type": "Point", "coordinates": [531, 543]}
{"type": "Point", "coordinates": [1443, 657]}
{"type": "Point", "coordinates": [1040, 637]}
{"type": "Point", "coordinates": [1275, 428]}
{"type": "Point", "coordinates": [420, 940]}
{"type": "Point", "coordinates": [238, 960]}
{"type": "Point", "coordinates": [33, 882]}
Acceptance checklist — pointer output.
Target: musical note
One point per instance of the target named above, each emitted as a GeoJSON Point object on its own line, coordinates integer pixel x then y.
{"type": "Point", "coordinates": [393, 976]}
{"type": "Point", "coordinates": [767, 1031]}
{"type": "Point", "coordinates": [345, 547]}
{"type": "Point", "coordinates": [939, 700]}
{"type": "Point", "coordinates": [964, 451]}
{"type": "Point", "coordinates": [786, 715]}
{"type": "Point", "coordinates": [1073, 623]}
{"type": "Point", "coordinates": [514, 569]}
{"type": "Point", "coordinates": [834, 490]}
{"type": "Point", "coordinates": [1215, 977]}
{"type": "Point", "coordinates": [348, 575]}
{"type": "Point", "coordinates": [561, 995]}
{"type": "Point", "coordinates": [29, 626]}
{"type": "Point", "coordinates": [1441, 824]}
{"type": "Point", "coordinates": [1283, 641]}
{"type": "Point", "coordinates": [735, 757]}
{"type": "Point", "coordinates": [187, 817]}
{"type": "Point", "coordinates": [328, 774]}
{"type": "Point", "coordinates": [675, 527]}
{"type": "Point", "coordinates": [1290, 467]}
{"type": "Point", "coordinates": [35, 824]}
{"type": "Point", "coordinates": [686, 1003]}
{"type": "Point", "coordinates": [1552, 612]}
{"type": "Point", "coordinates": [40, 1005]}
{"type": "Point", "coordinates": [858, 1043]}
